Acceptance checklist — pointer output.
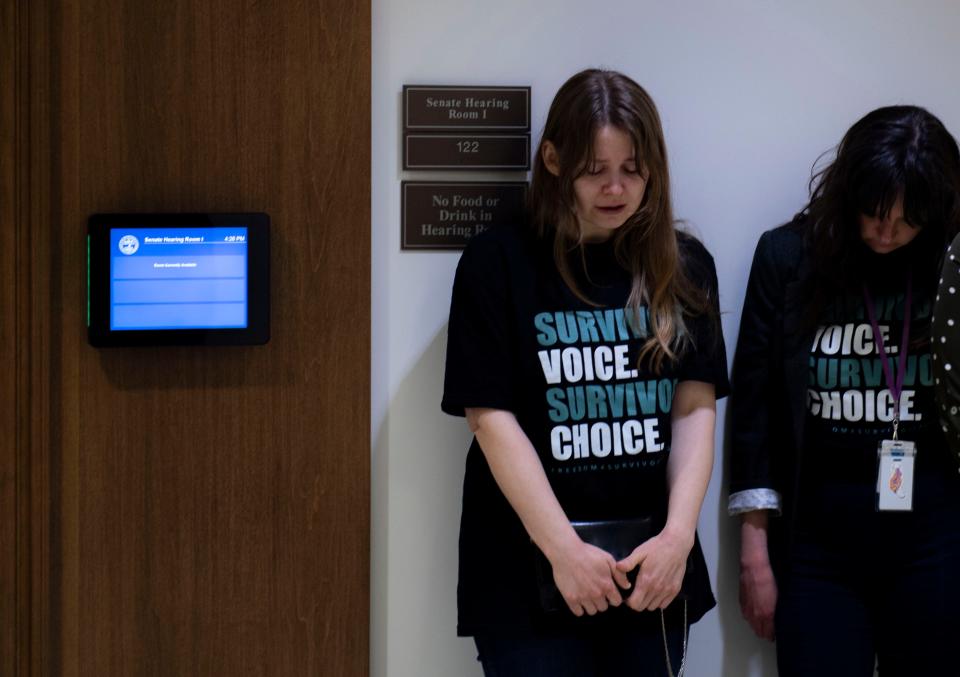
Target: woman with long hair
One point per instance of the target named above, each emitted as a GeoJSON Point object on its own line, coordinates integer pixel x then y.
{"type": "Point", "coordinates": [849, 498]}
{"type": "Point", "coordinates": [585, 352]}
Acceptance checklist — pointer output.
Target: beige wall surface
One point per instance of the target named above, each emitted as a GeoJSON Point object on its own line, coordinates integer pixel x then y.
{"type": "Point", "coordinates": [751, 93]}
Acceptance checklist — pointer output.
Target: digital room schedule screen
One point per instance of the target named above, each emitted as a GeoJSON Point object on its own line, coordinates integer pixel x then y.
{"type": "Point", "coordinates": [178, 278]}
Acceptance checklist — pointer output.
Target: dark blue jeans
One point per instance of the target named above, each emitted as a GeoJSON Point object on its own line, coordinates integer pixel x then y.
{"type": "Point", "coordinates": [869, 587]}
{"type": "Point", "coordinates": [620, 653]}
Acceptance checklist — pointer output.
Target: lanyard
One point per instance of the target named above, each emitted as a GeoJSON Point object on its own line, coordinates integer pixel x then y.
{"type": "Point", "coordinates": [895, 386]}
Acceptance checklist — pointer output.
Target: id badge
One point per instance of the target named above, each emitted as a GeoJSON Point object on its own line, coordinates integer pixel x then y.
{"type": "Point", "coordinates": [895, 474]}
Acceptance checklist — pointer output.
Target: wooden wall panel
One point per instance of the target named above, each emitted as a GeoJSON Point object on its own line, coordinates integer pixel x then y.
{"type": "Point", "coordinates": [10, 99]}
{"type": "Point", "coordinates": [208, 506]}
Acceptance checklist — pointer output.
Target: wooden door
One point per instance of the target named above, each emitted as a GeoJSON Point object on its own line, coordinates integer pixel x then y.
{"type": "Point", "coordinates": [185, 511]}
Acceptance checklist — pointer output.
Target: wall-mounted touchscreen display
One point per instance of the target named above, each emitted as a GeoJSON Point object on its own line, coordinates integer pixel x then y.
{"type": "Point", "coordinates": [179, 279]}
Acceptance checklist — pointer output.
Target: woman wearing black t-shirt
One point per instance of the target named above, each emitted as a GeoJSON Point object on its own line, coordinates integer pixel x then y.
{"type": "Point", "coordinates": [586, 354]}
{"type": "Point", "coordinates": [850, 500]}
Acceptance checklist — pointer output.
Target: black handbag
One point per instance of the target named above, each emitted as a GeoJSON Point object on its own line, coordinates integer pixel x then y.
{"type": "Point", "coordinates": [619, 538]}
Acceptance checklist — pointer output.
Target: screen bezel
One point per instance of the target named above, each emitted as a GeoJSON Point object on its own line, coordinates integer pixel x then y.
{"type": "Point", "coordinates": [257, 331]}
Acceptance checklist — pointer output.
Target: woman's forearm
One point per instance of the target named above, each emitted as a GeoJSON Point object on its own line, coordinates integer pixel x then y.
{"type": "Point", "coordinates": [520, 476]}
{"type": "Point", "coordinates": [691, 456]}
{"type": "Point", "coordinates": [753, 538]}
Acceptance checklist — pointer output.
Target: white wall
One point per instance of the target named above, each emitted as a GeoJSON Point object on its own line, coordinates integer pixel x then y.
{"type": "Point", "coordinates": [750, 94]}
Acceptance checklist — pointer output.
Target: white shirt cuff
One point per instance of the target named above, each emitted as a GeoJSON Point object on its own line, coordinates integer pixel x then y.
{"type": "Point", "coordinates": [753, 499]}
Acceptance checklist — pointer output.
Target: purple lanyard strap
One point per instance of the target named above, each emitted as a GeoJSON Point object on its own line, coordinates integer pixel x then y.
{"type": "Point", "coordinates": [895, 386]}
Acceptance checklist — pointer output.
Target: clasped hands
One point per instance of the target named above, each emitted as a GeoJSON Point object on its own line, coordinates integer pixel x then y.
{"type": "Point", "coordinates": [591, 580]}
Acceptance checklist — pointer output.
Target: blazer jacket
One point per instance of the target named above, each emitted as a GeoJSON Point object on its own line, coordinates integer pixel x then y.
{"type": "Point", "coordinates": [770, 374]}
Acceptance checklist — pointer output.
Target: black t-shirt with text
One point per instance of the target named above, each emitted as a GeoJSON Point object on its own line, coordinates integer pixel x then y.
{"type": "Point", "coordinates": [850, 407]}
{"type": "Point", "coordinates": [519, 339]}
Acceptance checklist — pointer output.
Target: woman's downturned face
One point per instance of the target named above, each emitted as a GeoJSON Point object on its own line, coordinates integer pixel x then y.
{"type": "Point", "coordinates": [886, 235]}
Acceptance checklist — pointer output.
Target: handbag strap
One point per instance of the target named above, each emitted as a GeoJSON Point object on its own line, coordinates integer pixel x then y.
{"type": "Point", "coordinates": [666, 649]}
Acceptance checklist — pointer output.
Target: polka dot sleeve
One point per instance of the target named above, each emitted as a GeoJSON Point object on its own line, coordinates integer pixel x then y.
{"type": "Point", "coordinates": [946, 346]}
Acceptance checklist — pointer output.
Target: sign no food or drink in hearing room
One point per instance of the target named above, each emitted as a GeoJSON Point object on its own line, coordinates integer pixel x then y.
{"type": "Point", "coordinates": [454, 107]}
{"type": "Point", "coordinates": [446, 214]}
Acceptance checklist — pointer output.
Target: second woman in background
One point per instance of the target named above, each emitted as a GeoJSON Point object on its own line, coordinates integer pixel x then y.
{"type": "Point", "coordinates": [849, 498]}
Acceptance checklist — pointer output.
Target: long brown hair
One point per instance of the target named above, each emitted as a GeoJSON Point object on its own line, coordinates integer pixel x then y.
{"type": "Point", "coordinates": [646, 244]}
